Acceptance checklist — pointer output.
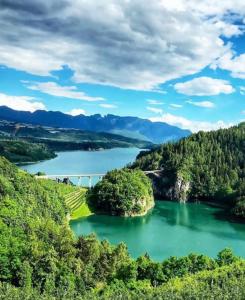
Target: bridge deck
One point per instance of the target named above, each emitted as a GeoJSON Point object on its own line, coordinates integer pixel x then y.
{"type": "Point", "coordinates": [83, 175]}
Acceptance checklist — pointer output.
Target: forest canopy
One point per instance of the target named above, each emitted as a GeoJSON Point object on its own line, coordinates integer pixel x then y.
{"type": "Point", "coordinates": [41, 259]}
{"type": "Point", "coordinates": [209, 165]}
{"type": "Point", "coordinates": [123, 192]}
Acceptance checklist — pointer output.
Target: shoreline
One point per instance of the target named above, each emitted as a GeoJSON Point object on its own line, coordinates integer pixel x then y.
{"type": "Point", "coordinates": [75, 150]}
{"type": "Point", "coordinates": [33, 162]}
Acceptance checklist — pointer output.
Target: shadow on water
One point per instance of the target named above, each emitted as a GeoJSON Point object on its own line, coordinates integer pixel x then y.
{"type": "Point", "coordinates": [97, 220]}
{"type": "Point", "coordinates": [201, 217]}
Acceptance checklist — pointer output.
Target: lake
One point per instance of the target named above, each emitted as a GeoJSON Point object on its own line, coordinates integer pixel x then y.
{"type": "Point", "coordinates": [169, 229]}
{"type": "Point", "coordinates": [84, 162]}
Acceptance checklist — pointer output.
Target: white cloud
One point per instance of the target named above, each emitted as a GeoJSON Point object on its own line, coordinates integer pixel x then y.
{"type": "Point", "coordinates": [52, 88]}
{"type": "Point", "coordinates": [155, 110]}
{"type": "Point", "coordinates": [24, 103]}
{"type": "Point", "coordinates": [204, 86]}
{"type": "Point", "coordinates": [243, 112]}
{"type": "Point", "coordinates": [107, 105]}
{"type": "Point", "coordinates": [127, 44]}
{"type": "Point", "coordinates": [77, 112]}
{"type": "Point", "coordinates": [208, 7]}
{"type": "Point", "coordinates": [192, 125]}
{"type": "Point", "coordinates": [242, 90]}
{"type": "Point", "coordinates": [158, 91]}
{"type": "Point", "coordinates": [206, 104]}
{"type": "Point", "coordinates": [228, 30]}
{"type": "Point", "coordinates": [234, 64]}
{"type": "Point", "coordinates": [154, 102]}
{"type": "Point", "coordinates": [174, 105]}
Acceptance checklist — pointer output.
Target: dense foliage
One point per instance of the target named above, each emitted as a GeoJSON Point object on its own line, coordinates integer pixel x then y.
{"type": "Point", "coordinates": [41, 259]}
{"type": "Point", "coordinates": [212, 162]}
{"type": "Point", "coordinates": [22, 151]}
{"type": "Point", "coordinates": [123, 192]}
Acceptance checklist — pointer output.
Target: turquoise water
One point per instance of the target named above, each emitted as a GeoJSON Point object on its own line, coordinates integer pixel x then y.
{"type": "Point", "coordinates": [169, 229]}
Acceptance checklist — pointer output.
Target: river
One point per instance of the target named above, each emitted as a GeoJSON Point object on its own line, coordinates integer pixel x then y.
{"type": "Point", "coordinates": [169, 229]}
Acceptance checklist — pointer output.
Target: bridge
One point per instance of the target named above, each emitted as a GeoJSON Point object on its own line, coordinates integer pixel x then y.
{"type": "Point", "coordinates": [69, 177]}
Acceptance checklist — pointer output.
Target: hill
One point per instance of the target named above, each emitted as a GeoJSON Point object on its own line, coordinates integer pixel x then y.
{"type": "Point", "coordinates": [41, 259]}
{"type": "Point", "coordinates": [19, 151]}
{"type": "Point", "coordinates": [59, 139]}
{"type": "Point", "coordinates": [205, 166]}
{"type": "Point", "coordinates": [124, 193]}
{"type": "Point", "coordinates": [155, 132]}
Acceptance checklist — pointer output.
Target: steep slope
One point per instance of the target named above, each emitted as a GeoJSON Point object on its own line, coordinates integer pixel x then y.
{"type": "Point", "coordinates": [204, 166]}
{"type": "Point", "coordinates": [156, 132]}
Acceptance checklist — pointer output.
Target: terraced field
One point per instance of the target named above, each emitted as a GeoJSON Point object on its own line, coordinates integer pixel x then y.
{"type": "Point", "coordinates": [76, 202]}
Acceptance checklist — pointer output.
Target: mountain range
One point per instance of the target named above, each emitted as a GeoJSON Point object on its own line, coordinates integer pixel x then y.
{"type": "Point", "coordinates": [60, 139]}
{"type": "Point", "coordinates": [133, 127]}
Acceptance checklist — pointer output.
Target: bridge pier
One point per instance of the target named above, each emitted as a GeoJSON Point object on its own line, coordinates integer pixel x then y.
{"type": "Point", "coordinates": [79, 183]}
{"type": "Point", "coordinates": [90, 182]}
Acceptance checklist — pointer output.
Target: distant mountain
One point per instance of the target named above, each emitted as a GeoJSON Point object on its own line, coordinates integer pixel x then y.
{"type": "Point", "coordinates": [156, 132]}
{"type": "Point", "coordinates": [59, 139]}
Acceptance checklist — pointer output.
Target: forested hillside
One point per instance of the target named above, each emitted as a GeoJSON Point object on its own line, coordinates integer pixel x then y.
{"type": "Point", "coordinates": [204, 166]}
{"type": "Point", "coordinates": [123, 192]}
{"type": "Point", "coordinates": [16, 150]}
{"type": "Point", "coordinates": [61, 139]}
{"type": "Point", "coordinates": [41, 259]}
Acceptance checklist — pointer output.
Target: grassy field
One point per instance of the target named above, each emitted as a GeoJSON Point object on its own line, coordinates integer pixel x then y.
{"type": "Point", "coordinates": [76, 202]}
{"type": "Point", "coordinates": [75, 198]}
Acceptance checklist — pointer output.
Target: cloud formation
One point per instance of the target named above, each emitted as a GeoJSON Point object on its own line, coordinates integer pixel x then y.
{"type": "Point", "coordinates": [234, 64]}
{"type": "Point", "coordinates": [155, 110]}
{"type": "Point", "coordinates": [24, 103]}
{"type": "Point", "coordinates": [154, 102]}
{"type": "Point", "coordinates": [76, 112]}
{"type": "Point", "coordinates": [174, 105]}
{"type": "Point", "coordinates": [206, 104]}
{"type": "Point", "coordinates": [192, 125]}
{"type": "Point", "coordinates": [127, 44]}
{"type": "Point", "coordinates": [204, 86]}
{"type": "Point", "coordinates": [107, 105]}
{"type": "Point", "coordinates": [53, 89]}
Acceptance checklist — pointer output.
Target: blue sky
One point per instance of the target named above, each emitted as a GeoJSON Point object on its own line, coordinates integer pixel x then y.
{"type": "Point", "coordinates": [182, 63]}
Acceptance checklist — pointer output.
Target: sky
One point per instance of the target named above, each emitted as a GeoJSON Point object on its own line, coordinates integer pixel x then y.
{"type": "Point", "coordinates": [181, 61]}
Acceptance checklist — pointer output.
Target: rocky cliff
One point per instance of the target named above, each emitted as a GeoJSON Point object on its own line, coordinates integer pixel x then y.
{"type": "Point", "coordinates": [166, 188]}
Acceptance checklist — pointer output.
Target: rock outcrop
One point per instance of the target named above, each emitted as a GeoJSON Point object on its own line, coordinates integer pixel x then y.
{"type": "Point", "coordinates": [166, 188]}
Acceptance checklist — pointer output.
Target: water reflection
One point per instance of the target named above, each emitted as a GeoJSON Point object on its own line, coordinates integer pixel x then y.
{"type": "Point", "coordinates": [169, 229]}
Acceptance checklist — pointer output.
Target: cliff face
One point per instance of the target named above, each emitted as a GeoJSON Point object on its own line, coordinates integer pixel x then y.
{"type": "Point", "coordinates": [180, 190]}
{"type": "Point", "coordinates": [144, 206]}
{"type": "Point", "coordinates": [167, 188]}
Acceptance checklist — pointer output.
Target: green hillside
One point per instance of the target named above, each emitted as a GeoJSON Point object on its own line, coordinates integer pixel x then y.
{"type": "Point", "coordinates": [205, 166]}
{"type": "Point", "coordinates": [41, 259]}
{"type": "Point", "coordinates": [22, 151]}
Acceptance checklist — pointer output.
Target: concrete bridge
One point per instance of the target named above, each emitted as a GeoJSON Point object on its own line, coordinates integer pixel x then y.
{"type": "Point", "coordinates": [90, 177]}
